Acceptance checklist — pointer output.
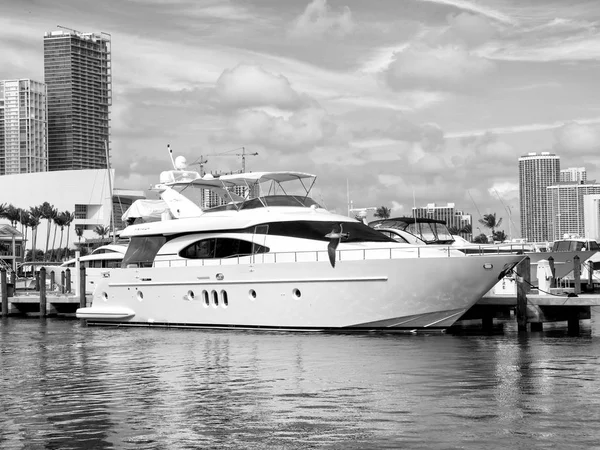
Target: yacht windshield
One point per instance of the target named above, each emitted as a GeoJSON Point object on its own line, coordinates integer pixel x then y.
{"type": "Point", "coordinates": [429, 230]}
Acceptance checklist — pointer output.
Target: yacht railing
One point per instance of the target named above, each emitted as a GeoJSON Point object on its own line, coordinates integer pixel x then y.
{"type": "Point", "coordinates": [425, 251]}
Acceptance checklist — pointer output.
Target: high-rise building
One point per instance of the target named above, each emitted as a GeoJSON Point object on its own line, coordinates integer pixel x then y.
{"type": "Point", "coordinates": [77, 72]}
{"type": "Point", "coordinates": [573, 174]}
{"type": "Point", "coordinates": [448, 213]}
{"type": "Point", "coordinates": [566, 208]}
{"type": "Point", "coordinates": [23, 145]}
{"type": "Point", "coordinates": [591, 216]}
{"type": "Point", "coordinates": [537, 171]}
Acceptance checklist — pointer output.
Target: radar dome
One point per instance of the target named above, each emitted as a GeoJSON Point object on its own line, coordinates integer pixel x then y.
{"type": "Point", "coordinates": [180, 162]}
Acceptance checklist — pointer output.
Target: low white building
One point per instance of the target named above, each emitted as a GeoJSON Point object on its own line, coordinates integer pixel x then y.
{"type": "Point", "coordinates": [86, 193]}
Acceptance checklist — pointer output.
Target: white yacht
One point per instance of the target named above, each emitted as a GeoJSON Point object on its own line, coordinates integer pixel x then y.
{"type": "Point", "coordinates": [270, 259]}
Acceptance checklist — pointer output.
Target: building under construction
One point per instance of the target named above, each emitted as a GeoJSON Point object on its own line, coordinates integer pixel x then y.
{"type": "Point", "coordinates": [77, 73]}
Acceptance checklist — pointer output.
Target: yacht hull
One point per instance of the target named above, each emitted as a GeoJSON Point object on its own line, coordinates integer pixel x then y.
{"type": "Point", "coordinates": [387, 294]}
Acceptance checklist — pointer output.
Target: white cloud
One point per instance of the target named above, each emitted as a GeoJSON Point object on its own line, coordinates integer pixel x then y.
{"type": "Point", "coordinates": [251, 86]}
{"type": "Point", "coordinates": [469, 29]}
{"type": "Point", "coordinates": [438, 68]}
{"type": "Point", "coordinates": [577, 137]}
{"type": "Point", "coordinates": [476, 8]}
{"type": "Point", "coordinates": [318, 20]}
{"type": "Point", "coordinates": [506, 190]}
{"type": "Point", "coordinates": [304, 129]}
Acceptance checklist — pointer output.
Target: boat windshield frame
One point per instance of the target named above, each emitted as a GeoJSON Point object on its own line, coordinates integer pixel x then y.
{"type": "Point", "coordinates": [430, 231]}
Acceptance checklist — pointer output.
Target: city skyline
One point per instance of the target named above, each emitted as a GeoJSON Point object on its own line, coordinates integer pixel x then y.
{"type": "Point", "coordinates": [411, 102]}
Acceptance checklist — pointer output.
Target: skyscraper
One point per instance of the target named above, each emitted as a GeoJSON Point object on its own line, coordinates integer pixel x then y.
{"type": "Point", "coordinates": [23, 145]}
{"type": "Point", "coordinates": [566, 207]}
{"type": "Point", "coordinates": [77, 72]}
{"type": "Point", "coordinates": [537, 171]}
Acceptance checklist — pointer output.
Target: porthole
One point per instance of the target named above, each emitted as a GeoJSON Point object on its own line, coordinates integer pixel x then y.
{"type": "Point", "coordinates": [205, 298]}
{"type": "Point", "coordinates": [105, 296]}
{"type": "Point", "coordinates": [296, 293]}
{"type": "Point", "coordinates": [224, 299]}
{"type": "Point", "coordinates": [252, 294]}
{"type": "Point", "coordinates": [190, 295]}
{"type": "Point", "coordinates": [140, 296]}
{"type": "Point", "coordinates": [215, 297]}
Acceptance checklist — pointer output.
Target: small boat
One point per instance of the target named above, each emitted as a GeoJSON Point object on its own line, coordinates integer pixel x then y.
{"type": "Point", "coordinates": [424, 231]}
{"type": "Point", "coordinates": [275, 259]}
{"type": "Point", "coordinates": [97, 263]}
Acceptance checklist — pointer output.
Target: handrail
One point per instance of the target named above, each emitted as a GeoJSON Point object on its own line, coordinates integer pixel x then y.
{"type": "Point", "coordinates": [420, 251]}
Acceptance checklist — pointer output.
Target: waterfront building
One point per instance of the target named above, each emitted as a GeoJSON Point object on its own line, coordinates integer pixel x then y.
{"type": "Point", "coordinates": [573, 174]}
{"type": "Point", "coordinates": [448, 213]}
{"type": "Point", "coordinates": [77, 72]}
{"type": "Point", "coordinates": [591, 216]}
{"type": "Point", "coordinates": [537, 171]}
{"type": "Point", "coordinates": [86, 193]}
{"type": "Point", "coordinates": [11, 247]}
{"type": "Point", "coordinates": [23, 144]}
{"type": "Point", "coordinates": [566, 207]}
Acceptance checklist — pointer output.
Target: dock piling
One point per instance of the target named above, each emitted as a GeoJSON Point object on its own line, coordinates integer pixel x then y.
{"type": "Point", "coordinates": [42, 278]}
{"type": "Point", "coordinates": [577, 274]}
{"type": "Point", "coordinates": [523, 283]}
{"type": "Point", "coordinates": [62, 282]}
{"type": "Point", "coordinates": [4, 288]}
{"type": "Point", "coordinates": [82, 287]}
{"type": "Point", "coordinates": [68, 280]}
{"type": "Point", "coordinates": [553, 270]}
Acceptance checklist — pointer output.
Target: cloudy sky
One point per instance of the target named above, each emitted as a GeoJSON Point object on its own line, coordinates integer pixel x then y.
{"type": "Point", "coordinates": [402, 101]}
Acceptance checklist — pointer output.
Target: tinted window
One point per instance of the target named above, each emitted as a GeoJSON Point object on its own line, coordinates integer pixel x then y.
{"type": "Point", "coordinates": [221, 248]}
{"type": "Point", "coordinates": [355, 231]}
{"type": "Point", "coordinates": [142, 250]}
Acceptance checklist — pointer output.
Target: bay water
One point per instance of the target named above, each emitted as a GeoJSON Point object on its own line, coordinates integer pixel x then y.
{"type": "Point", "coordinates": [64, 385]}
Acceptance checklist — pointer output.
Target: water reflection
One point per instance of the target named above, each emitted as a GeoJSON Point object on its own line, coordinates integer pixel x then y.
{"type": "Point", "coordinates": [68, 386]}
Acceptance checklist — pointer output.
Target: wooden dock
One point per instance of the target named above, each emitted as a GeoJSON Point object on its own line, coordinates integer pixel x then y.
{"type": "Point", "coordinates": [60, 299]}
{"type": "Point", "coordinates": [533, 307]}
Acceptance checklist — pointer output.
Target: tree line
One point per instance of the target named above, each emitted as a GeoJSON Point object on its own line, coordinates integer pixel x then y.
{"type": "Point", "coordinates": [30, 219]}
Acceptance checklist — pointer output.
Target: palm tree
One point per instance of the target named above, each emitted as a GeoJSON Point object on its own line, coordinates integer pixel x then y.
{"type": "Point", "coordinates": [79, 233]}
{"type": "Point", "coordinates": [2, 209]}
{"type": "Point", "coordinates": [481, 239]}
{"type": "Point", "coordinates": [453, 230]}
{"type": "Point", "coordinates": [61, 221]}
{"type": "Point", "coordinates": [48, 212]}
{"type": "Point", "coordinates": [35, 215]}
{"type": "Point", "coordinates": [489, 221]}
{"type": "Point", "coordinates": [69, 218]}
{"type": "Point", "coordinates": [25, 223]}
{"type": "Point", "coordinates": [101, 231]}
{"type": "Point", "coordinates": [383, 212]}
{"type": "Point", "coordinates": [57, 221]}
{"type": "Point", "coordinates": [12, 214]}
{"type": "Point", "coordinates": [500, 236]}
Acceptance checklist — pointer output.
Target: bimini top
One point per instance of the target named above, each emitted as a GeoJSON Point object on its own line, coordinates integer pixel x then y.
{"type": "Point", "coordinates": [238, 191]}
{"type": "Point", "coordinates": [183, 178]}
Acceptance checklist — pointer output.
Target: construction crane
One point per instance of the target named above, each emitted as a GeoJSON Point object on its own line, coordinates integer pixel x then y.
{"type": "Point", "coordinates": [243, 154]}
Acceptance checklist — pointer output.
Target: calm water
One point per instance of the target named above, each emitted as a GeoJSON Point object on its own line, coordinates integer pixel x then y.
{"type": "Point", "coordinates": [66, 386]}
